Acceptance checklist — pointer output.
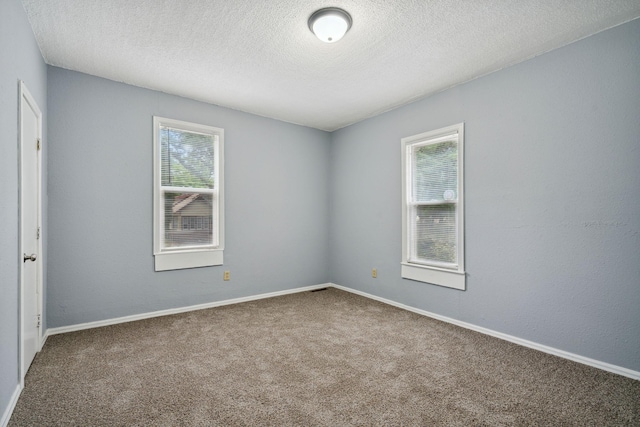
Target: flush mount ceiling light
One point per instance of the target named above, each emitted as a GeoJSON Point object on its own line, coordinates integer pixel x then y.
{"type": "Point", "coordinates": [329, 24]}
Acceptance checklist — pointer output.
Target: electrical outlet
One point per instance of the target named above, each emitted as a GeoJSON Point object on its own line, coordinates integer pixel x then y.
{"type": "Point", "coordinates": [374, 273]}
{"type": "Point", "coordinates": [227, 275]}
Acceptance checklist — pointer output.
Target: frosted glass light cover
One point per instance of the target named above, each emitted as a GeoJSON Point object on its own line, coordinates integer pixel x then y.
{"type": "Point", "coordinates": [330, 25]}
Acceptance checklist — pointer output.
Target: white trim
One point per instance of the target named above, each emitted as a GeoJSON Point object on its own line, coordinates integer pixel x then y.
{"type": "Point", "coordinates": [26, 95]}
{"type": "Point", "coordinates": [526, 343]}
{"type": "Point", "coordinates": [43, 341]}
{"type": "Point", "coordinates": [175, 259]}
{"type": "Point", "coordinates": [436, 276]}
{"type": "Point", "coordinates": [432, 273]}
{"type": "Point", "coordinates": [132, 318]}
{"type": "Point", "coordinates": [188, 259]}
{"type": "Point", "coordinates": [6, 416]}
{"type": "Point", "coordinates": [170, 189]}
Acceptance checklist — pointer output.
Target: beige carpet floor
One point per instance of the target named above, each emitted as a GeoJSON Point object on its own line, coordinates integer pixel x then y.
{"type": "Point", "coordinates": [327, 358]}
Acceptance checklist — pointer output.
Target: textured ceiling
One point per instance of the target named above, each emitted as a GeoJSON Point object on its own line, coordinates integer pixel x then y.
{"type": "Point", "coordinates": [260, 57]}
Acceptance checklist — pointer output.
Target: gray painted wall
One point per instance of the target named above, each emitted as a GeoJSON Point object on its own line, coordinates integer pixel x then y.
{"type": "Point", "coordinates": [20, 60]}
{"type": "Point", "coordinates": [100, 212]}
{"type": "Point", "coordinates": [552, 202]}
{"type": "Point", "coordinates": [552, 199]}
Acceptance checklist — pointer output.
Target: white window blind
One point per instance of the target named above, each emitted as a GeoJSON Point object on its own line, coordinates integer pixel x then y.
{"type": "Point", "coordinates": [188, 188]}
{"type": "Point", "coordinates": [188, 220]}
{"type": "Point", "coordinates": [433, 214]}
{"type": "Point", "coordinates": [434, 194]}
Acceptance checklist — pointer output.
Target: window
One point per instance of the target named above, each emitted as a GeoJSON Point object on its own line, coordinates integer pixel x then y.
{"type": "Point", "coordinates": [432, 207]}
{"type": "Point", "coordinates": [188, 194]}
{"type": "Point", "coordinates": [196, 222]}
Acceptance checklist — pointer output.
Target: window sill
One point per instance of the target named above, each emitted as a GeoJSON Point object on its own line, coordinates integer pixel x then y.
{"type": "Point", "coordinates": [188, 259]}
{"type": "Point", "coordinates": [449, 279]}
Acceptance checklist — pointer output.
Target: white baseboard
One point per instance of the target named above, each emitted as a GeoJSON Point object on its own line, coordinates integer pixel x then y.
{"type": "Point", "coordinates": [526, 343]}
{"type": "Point", "coordinates": [11, 406]}
{"type": "Point", "coordinates": [43, 340]}
{"type": "Point", "coordinates": [132, 318]}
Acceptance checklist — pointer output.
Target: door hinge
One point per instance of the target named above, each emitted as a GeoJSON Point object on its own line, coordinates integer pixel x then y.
{"type": "Point", "coordinates": [38, 144]}
{"type": "Point", "coordinates": [38, 234]}
{"type": "Point", "coordinates": [39, 319]}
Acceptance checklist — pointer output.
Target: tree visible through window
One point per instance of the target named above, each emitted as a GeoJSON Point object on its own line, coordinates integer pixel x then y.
{"type": "Point", "coordinates": [187, 161]}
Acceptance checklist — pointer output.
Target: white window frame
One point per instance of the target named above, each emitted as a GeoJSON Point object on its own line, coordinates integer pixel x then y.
{"type": "Point", "coordinates": [197, 256]}
{"type": "Point", "coordinates": [452, 276]}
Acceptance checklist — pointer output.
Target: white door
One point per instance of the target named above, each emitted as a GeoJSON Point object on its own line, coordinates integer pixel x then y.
{"type": "Point", "coordinates": [30, 259]}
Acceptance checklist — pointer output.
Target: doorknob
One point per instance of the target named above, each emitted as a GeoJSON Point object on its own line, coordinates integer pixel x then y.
{"type": "Point", "coordinates": [31, 257]}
